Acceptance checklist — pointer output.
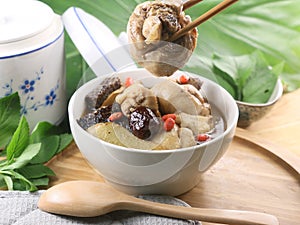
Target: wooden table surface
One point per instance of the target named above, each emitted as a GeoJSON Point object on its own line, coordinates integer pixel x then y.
{"type": "Point", "coordinates": [246, 178]}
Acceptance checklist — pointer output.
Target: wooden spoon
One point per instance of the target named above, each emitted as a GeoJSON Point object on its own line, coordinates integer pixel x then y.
{"type": "Point", "coordinates": [89, 199]}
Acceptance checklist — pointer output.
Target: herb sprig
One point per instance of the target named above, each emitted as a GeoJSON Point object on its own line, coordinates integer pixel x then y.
{"type": "Point", "coordinates": [249, 78]}
{"type": "Point", "coordinates": [25, 154]}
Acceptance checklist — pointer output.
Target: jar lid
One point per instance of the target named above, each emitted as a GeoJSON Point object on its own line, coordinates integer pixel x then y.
{"type": "Point", "coordinates": [22, 19]}
{"type": "Point", "coordinates": [101, 49]}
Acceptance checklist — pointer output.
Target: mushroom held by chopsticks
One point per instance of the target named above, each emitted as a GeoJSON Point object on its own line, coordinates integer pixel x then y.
{"type": "Point", "coordinates": [150, 26]}
{"type": "Point", "coordinates": [162, 37]}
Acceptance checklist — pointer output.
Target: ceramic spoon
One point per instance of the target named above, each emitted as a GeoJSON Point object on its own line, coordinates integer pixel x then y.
{"type": "Point", "coordinates": [89, 199]}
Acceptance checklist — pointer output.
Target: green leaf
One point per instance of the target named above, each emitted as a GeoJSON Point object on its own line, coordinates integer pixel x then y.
{"type": "Point", "coordinates": [29, 152]}
{"type": "Point", "coordinates": [35, 171]}
{"type": "Point", "coordinates": [238, 68]}
{"type": "Point", "coordinates": [19, 141]}
{"type": "Point", "coordinates": [49, 147]}
{"type": "Point", "coordinates": [3, 162]}
{"type": "Point", "coordinates": [260, 85]}
{"type": "Point", "coordinates": [8, 182]}
{"type": "Point", "coordinates": [251, 75]}
{"type": "Point", "coordinates": [226, 81]}
{"type": "Point", "coordinates": [9, 117]}
{"type": "Point", "coordinates": [15, 181]}
{"type": "Point", "coordinates": [44, 129]}
{"type": "Point", "coordinates": [2, 181]}
{"type": "Point", "coordinates": [65, 140]}
{"type": "Point", "coordinates": [42, 181]}
{"type": "Point", "coordinates": [22, 183]}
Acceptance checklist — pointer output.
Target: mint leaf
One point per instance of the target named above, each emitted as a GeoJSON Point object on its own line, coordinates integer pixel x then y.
{"type": "Point", "coordinates": [22, 183]}
{"type": "Point", "coordinates": [23, 154]}
{"type": "Point", "coordinates": [42, 130]}
{"type": "Point", "coordinates": [26, 156]}
{"type": "Point", "coordinates": [9, 117]}
{"type": "Point", "coordinates": [19, 141]}
{"type": "Point", "coordinates": [3, 162]}
{"type": "Point", "coordinates": [42, 181]}
{"type": "Point", "coordinates": [44, 133]}
{"type": "Point", "coordinates": [35, 171]}
{"type": "Point", "coordinates": [8, 182]}
{"type": "Point", "coordinates": [65, 140]}
{"type": "Point", "coordinates": [12, 178]}
{"type": "Point", "coordinates": [49, 147]}
{"type": "Point", "coordinates": [2, 181]}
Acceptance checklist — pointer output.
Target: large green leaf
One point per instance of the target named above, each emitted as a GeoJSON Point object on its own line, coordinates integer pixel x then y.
{"type": "Point", "coordinates": [9, 117]}
{"type": "Point", "coordinates": [272, 26]}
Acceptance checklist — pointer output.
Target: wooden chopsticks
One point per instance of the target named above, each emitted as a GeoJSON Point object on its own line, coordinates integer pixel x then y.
{"type": "Point", "coordinates": [210, 13]}
{"type": "Point", "coordinates": [189, 3]}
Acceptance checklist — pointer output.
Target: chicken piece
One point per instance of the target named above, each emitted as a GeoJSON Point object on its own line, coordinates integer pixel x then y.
{"type": "Point", "coordinates": [187, 138]}
{"type": "Point", "coordinates": [197, 96]}
{"type": "Point", "coordinates": [194, 92]}
{"type": "Point", "coordinates": [174, 98]}
{"type": "Point", "coordinates": [196, 82]}
{"type": "Point", "coordinates": [196, 123]}
{"type": "Point", "coordinates": [148, 29]}
{"type": "Point", "coordinates": [137, 95]}
{"type": "Point", "coordinates": [152, 29]}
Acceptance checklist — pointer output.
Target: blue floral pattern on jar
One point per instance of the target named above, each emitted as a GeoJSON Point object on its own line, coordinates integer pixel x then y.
{"type": "Point", "coordinates": [8, 88]}
{"type": "Point", "coordinates": [27, 90]}
{"type": "Point", "coordinates": [50, 99]}
{"type": "Point", "coordinates": [28, 86]}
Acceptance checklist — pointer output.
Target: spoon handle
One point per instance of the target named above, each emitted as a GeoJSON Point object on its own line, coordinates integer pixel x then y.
{"type": "Point", "coordinates": [222, 216]}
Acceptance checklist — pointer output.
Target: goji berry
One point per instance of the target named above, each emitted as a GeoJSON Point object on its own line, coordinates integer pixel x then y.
{"type": "Point", "coordinates": [183, 79]}
{"type": "Point", "coordinates": [169, 124]}
{"type": "Point", "coordinates": [115, 116]}
{"type": "Point", "coordinates": [128, 81]}
{"type": "Point", "coordinates": [166, 116]}
{"type": "Point", "coordinates": [202, 137]}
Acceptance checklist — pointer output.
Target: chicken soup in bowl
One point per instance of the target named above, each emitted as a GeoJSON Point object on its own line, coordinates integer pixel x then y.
{"type": "Point", "coordinates": [147, 134]}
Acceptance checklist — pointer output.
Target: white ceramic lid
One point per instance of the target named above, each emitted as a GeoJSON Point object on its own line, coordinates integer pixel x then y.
{"type": "Point", "coordinates": [21, 19]}
{"type": "Point", "coordinates": [98, 45]}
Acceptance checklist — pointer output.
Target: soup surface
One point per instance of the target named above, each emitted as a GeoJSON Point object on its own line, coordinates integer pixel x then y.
{"type": "Point", "coordinates": [171, 114]}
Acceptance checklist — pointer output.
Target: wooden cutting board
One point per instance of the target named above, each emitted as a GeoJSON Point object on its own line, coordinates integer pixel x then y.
{"type": "Point", "coordinates": [247, 177]}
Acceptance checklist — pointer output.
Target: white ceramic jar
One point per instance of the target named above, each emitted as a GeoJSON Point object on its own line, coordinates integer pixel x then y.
{"type": "Point", "coordinates": [32, 60]}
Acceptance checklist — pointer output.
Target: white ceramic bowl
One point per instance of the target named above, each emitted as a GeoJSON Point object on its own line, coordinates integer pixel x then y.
{"type": "Point", "coordinates": [171, 172]}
